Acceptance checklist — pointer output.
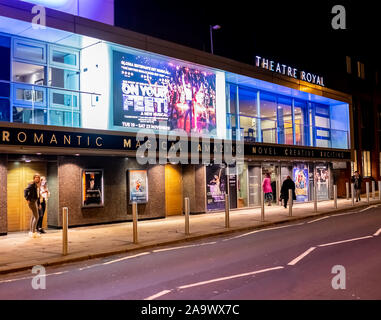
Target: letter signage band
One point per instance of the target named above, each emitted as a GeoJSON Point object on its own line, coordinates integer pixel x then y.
{"type": "Point", "coordinates": [277, 67]}
{"type": "Point", "coordinates": [63, 139]}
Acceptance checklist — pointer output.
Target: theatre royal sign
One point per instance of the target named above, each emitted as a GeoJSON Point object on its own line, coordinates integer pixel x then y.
{"type": "Point", "coordinates": [286, 70]}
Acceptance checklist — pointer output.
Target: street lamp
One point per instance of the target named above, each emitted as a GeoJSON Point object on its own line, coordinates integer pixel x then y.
{"type": "Point", "coordinates": [211, 28]}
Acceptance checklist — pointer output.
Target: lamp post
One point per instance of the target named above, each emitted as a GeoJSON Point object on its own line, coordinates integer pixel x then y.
{"type": "Point", "coordinates": [211, 28]}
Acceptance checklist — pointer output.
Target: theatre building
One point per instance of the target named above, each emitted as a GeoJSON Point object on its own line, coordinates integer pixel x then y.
{"type": "Point", "coordinates": [76, 93]}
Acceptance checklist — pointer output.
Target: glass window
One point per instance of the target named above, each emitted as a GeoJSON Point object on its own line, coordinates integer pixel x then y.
{"type": "Point", "coordinates": [22, 115]}
{"type": "Point", "coordinates": [28, 50]}
{"type": "Point", "coordinates": [28, 73]}
{"type": "Point", "coordinates": [366, 164]}
{"type": "Point", "coordinates": [4, 89]}
{"type": "Point", "coordinates": [301, 123]}
{"type": "Point", "coordinates": [65, 99]}
{"type": "Point", "coordinates": [285, 134]}
{"type": "Point", "coordinates": [64, 57]}
{"type": "Point", "coordinates": [4, 110]}
{"type": "Point", "coordinates": [248, 102]}
{"type": "Point", "coordinates": [268, 117]}
{"type": "Point", "coordinates": [64, 118]}
{"type": "Point", "coordinates": [65, 79]}
{"type": "Point", "coordinates": [5, 58]}
{"type": "Point", "coordinates": [29, 115]}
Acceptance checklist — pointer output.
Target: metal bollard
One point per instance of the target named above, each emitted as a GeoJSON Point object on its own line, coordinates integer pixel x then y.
{"type": "Point", "coordinates": [135, 222]}
{"type": "Point", "coordinates": [227, 211]}
{"type": "Point", "coordinates": [347, 189]}
{"type": "Point", "coordinates": [373, 190]}
{"type": "Point", "coordinates": [262, 206]}
{"type": "Point", "coordinates": [315, 198]}
{"type": "Point", "coordinates": [335, 196]}
{"type": "Point", "coordinates": [65, 224]}
{"type": "Point", "coordinates": [187, 210]}
{"type": "Point", "coordinates": [367, 191]}
{"type": "Point", "coordinates": [353, 193]}
{"type": "Point", "coordinates": [379, 190]}
{"type": "Point", "coordinates": [290, 200]}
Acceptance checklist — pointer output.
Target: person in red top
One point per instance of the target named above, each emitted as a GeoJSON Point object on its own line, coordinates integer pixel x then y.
{"type": "Point", "coordinates": [267, 190]}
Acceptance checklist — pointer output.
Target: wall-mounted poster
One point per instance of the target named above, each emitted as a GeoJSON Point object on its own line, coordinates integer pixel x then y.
{"type": "Point", "coordinates": [138, 186]}
{"type": "Point", "coordinates": [92, 188]}
{"type": "Point", "coordinates": [162, 95]}
{"type": "Point", "coordinates": [301, 183]}
{"type": "Point", "coordinates": [216, 187]}
{"type": "Point", "coordinates": [322, 179]}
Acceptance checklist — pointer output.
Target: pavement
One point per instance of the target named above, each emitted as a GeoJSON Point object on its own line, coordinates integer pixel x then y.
{"type": "Point", "coordinates": [19, 252]}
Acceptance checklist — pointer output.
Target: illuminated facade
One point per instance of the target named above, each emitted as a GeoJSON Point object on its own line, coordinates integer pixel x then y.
{"type": "Point", "coordinates": [72, 103]}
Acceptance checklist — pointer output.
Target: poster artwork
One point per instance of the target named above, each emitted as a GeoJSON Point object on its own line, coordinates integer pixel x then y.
{"type": "Point", "coordinates": [138, 186]}
{"type": "Point", "coordinates": [92, 188]}
{"type": "Point", "coordinates": [216, 187]}
{"type": "Point", "coordinates": [301, 184]}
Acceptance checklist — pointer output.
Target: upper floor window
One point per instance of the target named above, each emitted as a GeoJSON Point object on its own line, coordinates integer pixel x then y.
{"type": "Point", "coordinates": [29, 50]}
{"type": "Point", "coordinates": [360, 70]}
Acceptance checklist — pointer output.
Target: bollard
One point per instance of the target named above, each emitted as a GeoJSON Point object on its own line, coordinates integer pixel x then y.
{"type": "Point", "coordinates": [335, 196]}
{"type": "Point", "coordinates": [347, 189]}
{"type": "Point", "coordinates": [315, 198]}
{"type": "Point", "coordinates": [262, 206]}
{"type": "Point", "coordinates": [65, 224]}
{"type": "Point", "coordinates": [373, 190]}
{"type": "Point", "coordinates": [379, 190]}
{"type": "Point", "coordinates": [135, 222]}
{"type": "Point", "coordinates": [367, 191]}
{"type": "Point", "coordinates": [227, 211]}
{"type": "Point", "coordinates": [290, 200]}
{"type": "Point", "coordinates": [187, 210]}
{"type": "Point", "coordinates": [353, 193]}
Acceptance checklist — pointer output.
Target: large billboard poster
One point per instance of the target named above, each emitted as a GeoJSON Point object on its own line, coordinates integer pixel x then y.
{"type": "Point", "coordinates": [216, 187]}
{"type": "Point", "coordinates": [160, 95]}
{"type": "Point", "coordinates": [301, 184]}
{"type": "Point", "coordinates": [92, 188]}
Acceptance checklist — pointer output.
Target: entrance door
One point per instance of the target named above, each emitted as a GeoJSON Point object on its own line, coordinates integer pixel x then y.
{"type": "Point", "coordinates": [173, 190]}
{"type": "Point", "coordinates": [273, 170]}
{"type": "Point", "coordinates": [19, 175]}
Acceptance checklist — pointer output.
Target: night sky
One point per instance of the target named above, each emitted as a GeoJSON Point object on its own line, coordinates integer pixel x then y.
{"type": "Point", "coordinates": [296, 33]}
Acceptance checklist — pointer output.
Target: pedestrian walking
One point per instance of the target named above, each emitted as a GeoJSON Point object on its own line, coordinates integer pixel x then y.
{"type": "Point", "coordinates": [287, 185]}
{"type": "Point", "coordinates": [44, 195]}
{"type": "Point", "coordinates": [357, 180]}
{"type": "Point", "coordinates": [267, 189]}
{"type": "Point", "coordinates": [32, 196]}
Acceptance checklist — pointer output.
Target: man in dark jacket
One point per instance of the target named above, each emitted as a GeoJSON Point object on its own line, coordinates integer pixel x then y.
{"type": "Point", "coordinates": [287, 185]}
{"type": "Point", "coordinates": [32, 196]}
{"type": "Point", "coordinates": [357, 180]}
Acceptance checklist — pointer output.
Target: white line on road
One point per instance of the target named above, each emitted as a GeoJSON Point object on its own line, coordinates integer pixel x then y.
{"type": "Point", "coordinates": [343, 241]}
{"type": "Point", "coordinates": [157, 295]}
{"type": "Point", "coordinates": [126, 258]}
{"type": "Point", "coordinates": [370, 207]}
{"type": "Point", "coordinates": [183, 247]}
{"type": "Point", "coordinates": [297, 259]}
{"type": "Point", "coordinates": [262, 230]}
{"type": "Point", "coordinates": [378, 232]}
{"type": "Point", "coordinates": [31, 277]}
{"type": "Point", "coordinates": [228, 277]}
{"type": "Point", "coordinates": [319, 219]}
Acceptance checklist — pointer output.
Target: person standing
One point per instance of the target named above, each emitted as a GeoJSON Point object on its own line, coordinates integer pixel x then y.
{"type": "Point", "coordinates": [44, 195]}
{"type": "Point", "coordinates": [267, 190]}
{"type": "Point", "coordinates": [32, 196]}
{"type": "Point", "coordinates": [287, 185]}
{"type": "Point", "coordinates": [357, 180]}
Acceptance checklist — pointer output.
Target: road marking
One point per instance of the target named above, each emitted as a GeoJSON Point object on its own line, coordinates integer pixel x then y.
{"type": "Point", "coordinates": [370, 207]}
{"type": "Point", "coordinates": [126, 258]}
{"type": "Point", "coordinates": [319, 219]}
{"type": "Point", "coordinates": [157, 295]}
{"type": "Point", "coordinates": [183, 247]}
{"type": "Point", "coordinates": [343, 241]}
{"type": "Point", "coordinates": [378, 232]}
{"type": "Point", "coordinates": [31, 277]}
{"type": "Point", "coordinates": [297, 259]}
{"type": "Point", "coordinates": [228, 277]}
{"type": "Point", "coordinates": [262, 230]}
